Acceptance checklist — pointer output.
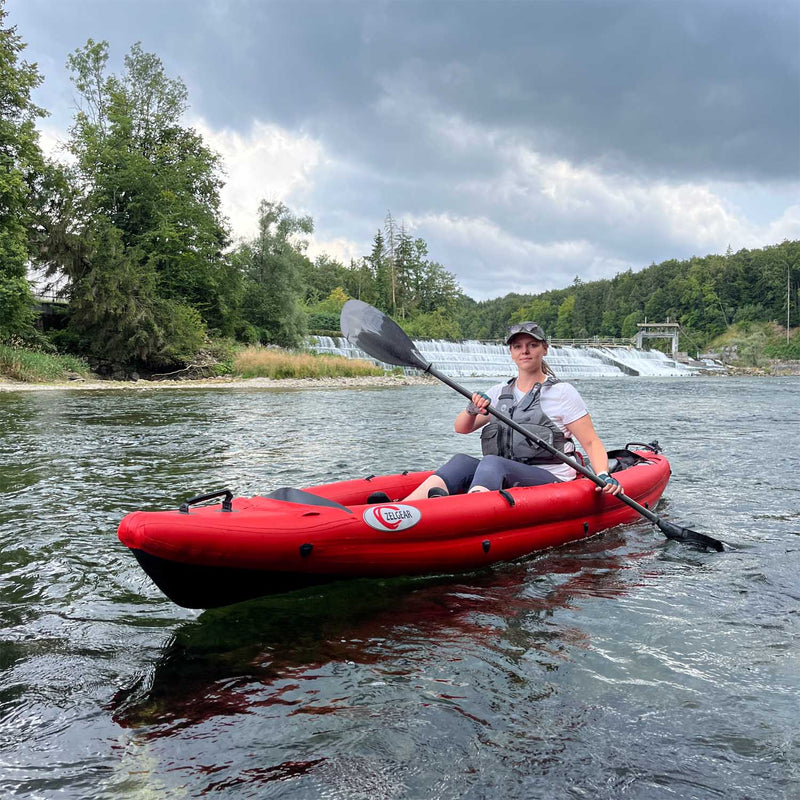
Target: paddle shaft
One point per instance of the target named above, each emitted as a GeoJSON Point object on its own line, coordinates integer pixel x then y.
{"type": "Point", "coordinates": [379, 335]}
{"type": "Point", "coordinates": [532, 437]}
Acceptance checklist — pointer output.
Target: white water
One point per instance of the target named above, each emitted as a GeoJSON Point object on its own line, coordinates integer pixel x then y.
{"type": "Point", "coordinates": [466, 359]}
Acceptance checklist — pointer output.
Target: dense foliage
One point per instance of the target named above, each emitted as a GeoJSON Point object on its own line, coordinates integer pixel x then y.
{"type": "Point", "coordinates": [20, 162]}
{"type": "Point", "coordinates": [397, 276]}
{"type": "Point", "coordinates": [132, 233]}
{"type": "Point", "coordinates": [705, 295]}
{"type": "Point", "coordinates": [272, 266]}
{"type": "Point", "coordinates": [137, 236]}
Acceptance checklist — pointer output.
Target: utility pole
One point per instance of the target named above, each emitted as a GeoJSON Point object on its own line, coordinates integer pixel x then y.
{"type": "Point", "coordinates": [788, 298]}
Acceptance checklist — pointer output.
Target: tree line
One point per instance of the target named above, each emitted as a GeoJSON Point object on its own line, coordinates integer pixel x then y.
{"type": "Point", "coordinates": [130, 229]}
{"type": "Point", "coordinates": [704, 294]}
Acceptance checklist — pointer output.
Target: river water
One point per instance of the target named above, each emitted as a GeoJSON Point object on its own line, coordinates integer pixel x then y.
{"type": "Point", "coordinates": [623, 666]}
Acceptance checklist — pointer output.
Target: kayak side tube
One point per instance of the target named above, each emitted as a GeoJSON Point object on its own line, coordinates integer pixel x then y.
{"type": "Point", "coordinates": [209, 557]}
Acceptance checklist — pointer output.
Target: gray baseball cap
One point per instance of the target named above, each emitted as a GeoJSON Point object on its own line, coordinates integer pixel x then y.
{"type": "Point", "coordinates": [531, 328]}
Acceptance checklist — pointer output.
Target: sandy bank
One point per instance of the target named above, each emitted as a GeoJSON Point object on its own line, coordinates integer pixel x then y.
{"type": "Point", "coordinates": [219, 383]}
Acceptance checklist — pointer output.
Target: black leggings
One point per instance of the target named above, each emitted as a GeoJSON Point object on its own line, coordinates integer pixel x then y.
{"type": "Point", "coordinates": [462, 472]}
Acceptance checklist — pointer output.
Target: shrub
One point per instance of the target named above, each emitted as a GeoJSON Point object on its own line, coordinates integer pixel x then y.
{"type": "Point", "coordinates": [34, 366]}
{"type": "Point", "coordinates": [267, 362]}
{"type": "Point", "coordinates": [788, 351]}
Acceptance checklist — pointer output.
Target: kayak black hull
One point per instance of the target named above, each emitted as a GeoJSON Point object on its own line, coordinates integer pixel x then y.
{"type": "Point", "coordinates": [199, 586]}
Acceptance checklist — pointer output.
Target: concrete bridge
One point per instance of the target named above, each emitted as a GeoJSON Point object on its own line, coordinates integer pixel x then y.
{"type": "Point", "coordinates": [658, 330]}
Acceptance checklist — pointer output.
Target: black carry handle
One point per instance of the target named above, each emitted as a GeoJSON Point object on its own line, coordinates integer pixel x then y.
{"type": "Point", "coordinates": [654, 446]}
{"type": "Point", "coordinates": [201, 498]}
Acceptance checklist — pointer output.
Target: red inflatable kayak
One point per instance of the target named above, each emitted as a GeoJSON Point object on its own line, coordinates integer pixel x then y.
{"type": "Point", "coordinates": [203, 556]}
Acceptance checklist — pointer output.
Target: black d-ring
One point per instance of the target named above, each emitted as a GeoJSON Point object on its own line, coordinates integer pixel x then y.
{"type": "Point", "coordinates": [508, 498]}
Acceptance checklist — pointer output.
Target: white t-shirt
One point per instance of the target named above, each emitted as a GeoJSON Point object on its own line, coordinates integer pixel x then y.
{"type": "Point", "coordinates": [559, 401]}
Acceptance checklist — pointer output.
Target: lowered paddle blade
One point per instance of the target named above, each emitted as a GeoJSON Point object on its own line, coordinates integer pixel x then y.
{"type": "Point", "coordinates": [380, 336]}
{"type": "Point", "coordinates": [687, 536]}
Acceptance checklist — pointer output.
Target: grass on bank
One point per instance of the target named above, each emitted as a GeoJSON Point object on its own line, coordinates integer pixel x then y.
{"type": "Point", "coordinates": [753, 344]}
{"type": "Point", "coordinates": [34, 366]}
{"type": "Point", "coordinates": [264, 362]}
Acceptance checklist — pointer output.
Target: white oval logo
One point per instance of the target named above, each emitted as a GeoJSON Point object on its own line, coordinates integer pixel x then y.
{"type": "Point", "coordinates": [391, 517]}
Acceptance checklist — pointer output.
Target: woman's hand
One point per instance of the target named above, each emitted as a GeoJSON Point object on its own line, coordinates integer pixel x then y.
{"type": "Point", "coordinates": [612, 484]}
{"type": "Point", "coordinates": [474, 416]}
{"type": "Point", "coordinates": [478, 404]}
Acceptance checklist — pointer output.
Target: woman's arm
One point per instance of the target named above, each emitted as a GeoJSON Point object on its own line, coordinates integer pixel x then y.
{"type": "Point", "coordinates": [466, 422]}
{"type": "Point", "coordinates": [583, 430]}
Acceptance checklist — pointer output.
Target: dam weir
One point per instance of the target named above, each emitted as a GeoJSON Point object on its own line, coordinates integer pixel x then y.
{"type": "Point", "coordinates": [482, 359]}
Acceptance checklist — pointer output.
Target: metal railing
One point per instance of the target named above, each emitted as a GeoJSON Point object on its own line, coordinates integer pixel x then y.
{"type": "Point", "coordinates": [597, 341]}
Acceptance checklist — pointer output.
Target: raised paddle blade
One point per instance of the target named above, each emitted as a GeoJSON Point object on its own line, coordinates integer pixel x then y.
{"type": "Point", "coordinates": [688, 536]}
{"type": "Point", "coordinates": [380, 336]}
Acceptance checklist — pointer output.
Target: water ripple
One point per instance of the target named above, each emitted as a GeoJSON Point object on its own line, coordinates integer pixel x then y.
{"type": "Point", "coordinates": [622, 666]}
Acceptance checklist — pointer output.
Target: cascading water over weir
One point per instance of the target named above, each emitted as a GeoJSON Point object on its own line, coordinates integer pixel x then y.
{"type": "Point", "coordinates": [480, 359]}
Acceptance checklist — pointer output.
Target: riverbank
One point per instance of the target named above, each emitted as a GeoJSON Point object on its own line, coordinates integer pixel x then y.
{"type": "Point", "coordinates": [772, 370]}
{"type": "Point", "coordinates": [220, 383]}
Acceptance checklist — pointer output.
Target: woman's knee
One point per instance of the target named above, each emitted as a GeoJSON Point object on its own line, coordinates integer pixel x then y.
{"type": "Point", "coordinates": [490, 473]}
{"type": "Point", "coordinates": [457, 472]}
{"type": "Point", "coordinates": [463, 463]}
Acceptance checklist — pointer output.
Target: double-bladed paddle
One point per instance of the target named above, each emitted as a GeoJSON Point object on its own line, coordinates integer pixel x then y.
{"type": "Point", "coordinates": [381, 337]}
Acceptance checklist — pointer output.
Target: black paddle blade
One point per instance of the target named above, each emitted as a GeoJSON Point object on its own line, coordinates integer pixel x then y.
{"type": "Point", "coordinates": [688, 536]}
{"type": "Point", "coordinates": [380, 336]}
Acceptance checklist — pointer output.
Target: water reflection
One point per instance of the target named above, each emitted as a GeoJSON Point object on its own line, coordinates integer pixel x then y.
{"type": "Point", "coordinates": [259, 654]}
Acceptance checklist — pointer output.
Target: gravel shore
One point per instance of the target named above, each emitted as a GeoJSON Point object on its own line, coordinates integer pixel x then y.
{"type": "Point", "coordinates": [219, 383]}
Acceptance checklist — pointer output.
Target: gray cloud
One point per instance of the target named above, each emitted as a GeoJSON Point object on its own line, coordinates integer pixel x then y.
{"type": "Point", "coordinates": [527, 142]}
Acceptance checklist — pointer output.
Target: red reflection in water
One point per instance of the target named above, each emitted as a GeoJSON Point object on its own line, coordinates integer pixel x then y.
{"type": "Point", "coordinates": [258, 654]}
{"type": "Point", "coordinates": [280, 772]}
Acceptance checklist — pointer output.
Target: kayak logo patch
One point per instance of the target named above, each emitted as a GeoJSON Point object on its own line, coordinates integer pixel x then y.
{"type": "Point", "coordinates": [393, 517]}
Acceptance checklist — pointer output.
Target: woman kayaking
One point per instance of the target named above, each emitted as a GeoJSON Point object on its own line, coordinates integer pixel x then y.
{"type": "Point", "coordinates": [537, 400]}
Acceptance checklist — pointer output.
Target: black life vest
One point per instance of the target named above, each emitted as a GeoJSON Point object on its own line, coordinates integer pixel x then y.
{"type": "Point", "coordinates": [497, 439]}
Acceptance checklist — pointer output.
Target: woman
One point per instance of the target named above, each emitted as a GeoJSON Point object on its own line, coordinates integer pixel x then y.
{"type": "Point", "coordinates": [537, 400]}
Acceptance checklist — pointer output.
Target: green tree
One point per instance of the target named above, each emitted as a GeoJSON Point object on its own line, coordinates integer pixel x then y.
{"type": "Point", "coordinates": [359, 282]}
{"type": "Point", "coordinates": [539, 310]}
{"type": "Point", "coordinates": [20, 161]}
{"type": "Point", "coordinates": [630, 324]}
{"type": "Point", "coordinates": [381, 266]}
{"type": "Point", "coordinates": [326, 314]}
{"type": "Point", "coordinates": [564, 326]}
{"type": "Point", "coordinates": [656, 307]}
{"type": "Point", "coordinates": [323, 276]}
{"type": "Point", "coordinates": [433, 325]}
{"type": "Point", "coordinates": [610, 326]}
{"type": "Point", "coordinates": [118, 313]}
{"type": "Point", "coordinates": [139, 171]}
{"type": "Point", "coordinates": [272, 266]}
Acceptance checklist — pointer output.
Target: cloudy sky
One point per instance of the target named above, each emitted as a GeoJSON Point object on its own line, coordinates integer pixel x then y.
{"type": "Point", "coordinates": [526, 142]}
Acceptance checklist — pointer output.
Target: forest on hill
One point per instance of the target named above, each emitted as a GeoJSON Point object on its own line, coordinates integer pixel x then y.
{"type": "Point", "coordinates": [130, 234]}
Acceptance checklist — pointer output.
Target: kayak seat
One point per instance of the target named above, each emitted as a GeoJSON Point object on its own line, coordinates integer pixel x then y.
{"type": "Point", "coordinates": [378, 497]}
{"type": "Point", "coordinates": [289, 494]}
{"type": "Point", "coordinates": [622, 459]}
